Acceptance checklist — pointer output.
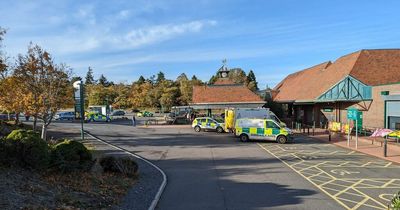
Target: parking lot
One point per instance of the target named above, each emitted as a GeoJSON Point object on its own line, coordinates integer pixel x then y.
{"type": "Point", "coordinates": [354, 180]}
{"type": "Point", "coordinates": [207, 170]}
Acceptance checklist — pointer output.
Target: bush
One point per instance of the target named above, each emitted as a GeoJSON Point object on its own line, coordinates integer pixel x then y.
{"type": "Point", "coordinates": [395, 202]}
{"type": "Point", "coordinates": [123, 165]}
{"type": "Point", "coordinates": [27, 148]}
{"type": "Point", "coordinates": [69, 156]}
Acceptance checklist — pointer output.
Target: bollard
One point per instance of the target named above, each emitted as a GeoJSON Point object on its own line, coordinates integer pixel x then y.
{"type": "Point", "coordinates": [308, 130]}
{"type": "Point", "coordinates": [329, 136]}
{"type": "Point", "coordinates": [385, 147]}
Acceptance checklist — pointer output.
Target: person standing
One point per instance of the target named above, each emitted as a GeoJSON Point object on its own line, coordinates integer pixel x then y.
{"type": "Point", "coordinates": [133, 120]}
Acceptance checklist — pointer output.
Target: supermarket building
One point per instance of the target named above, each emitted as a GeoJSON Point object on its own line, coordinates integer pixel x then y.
{"type": "Point", "coordinates": [368, 80]}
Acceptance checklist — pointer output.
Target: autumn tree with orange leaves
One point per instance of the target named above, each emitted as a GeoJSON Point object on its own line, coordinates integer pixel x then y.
{"type": "Point", "coordinates": [46, 85]}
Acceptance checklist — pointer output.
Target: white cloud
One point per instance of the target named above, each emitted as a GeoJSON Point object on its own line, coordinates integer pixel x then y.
{"type": "Point", "coordinates": [158, 33]}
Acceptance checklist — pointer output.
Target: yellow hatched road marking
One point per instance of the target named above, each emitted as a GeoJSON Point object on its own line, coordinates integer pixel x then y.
{"type": "Point", "coordinates": [370, 198]}
{"type": "Point", "coordinates": [388, 164]}
{"type": "Point", "coordinates": [334, 198]}
{"type": "Point", "coordinates": [313, 166]}
{"type": "Point", "coordinates": [365, 164]}
{"type": "Point", "coordinates": [360, 203]}
{"type": "Point", "coordinates": [348, 188]}
{"type": "Point", "coordinates": [388, 183]}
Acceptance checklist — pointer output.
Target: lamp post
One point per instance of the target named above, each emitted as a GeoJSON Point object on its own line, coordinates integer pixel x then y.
{"type": "Point", "coordinates": [78, 85]}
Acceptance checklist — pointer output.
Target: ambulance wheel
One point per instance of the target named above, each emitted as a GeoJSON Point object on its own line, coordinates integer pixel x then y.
{"type": "Point", "coordinates": [220, 130]}
{"type": "Point", "coordinates": [281, 139]}
{"type": "Point", "coordinates": [197, 129]}
{"type": "Point", "coordinates": [244, 137]}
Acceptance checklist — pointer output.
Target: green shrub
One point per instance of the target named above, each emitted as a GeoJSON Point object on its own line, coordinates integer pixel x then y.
{"type": "Point", "coordinates": [69, 156]}
{"type": "Point", "coordinates": [27, 149]}
{"type": "Point", "coordinates": [395, 202]}
{"type": "Point", "coordinates": [123, 165]}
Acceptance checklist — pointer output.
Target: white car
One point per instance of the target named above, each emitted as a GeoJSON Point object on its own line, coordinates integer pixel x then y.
{"type": "Point", "coordinates": [65, 116]}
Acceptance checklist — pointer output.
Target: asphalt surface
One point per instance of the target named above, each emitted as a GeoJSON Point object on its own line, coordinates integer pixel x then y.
{"type": "Point", "coordinates": [214, 171]}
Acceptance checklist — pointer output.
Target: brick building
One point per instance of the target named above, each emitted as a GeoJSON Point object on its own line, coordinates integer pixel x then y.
{"type": "Point", "coordinates": [224, 93]}
{"type": "Point", "coordinates": [368, 80]}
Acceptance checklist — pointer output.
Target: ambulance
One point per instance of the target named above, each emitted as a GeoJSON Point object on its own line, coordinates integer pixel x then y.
{"type": "Point", "coordinates": [208, 123]}
{"type": "Point", "coordinates": [262, 129]}
{"type": "Point", "coordinates": [233, 114]}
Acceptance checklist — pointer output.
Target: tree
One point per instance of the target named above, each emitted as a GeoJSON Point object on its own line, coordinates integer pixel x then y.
{"type": "Point", "coordinates": [45, 82]}
{"type": "Point", "coordinates": [141, 80]}
{"type": "Point", "coordinates": [3, 59]}
{"type": "Point", "coordinates": [89, 79]}
{"type": "Point", "coordinates": [181, 77]}
{"type": "Point", "coordinates": [238, 76]}
{"type": "Point", "coordinates": [13, 97]}
{"type": "Point", "coordinates": [103, 81]}
{"type": "Point", "coordinates": [168, 97]}
{"type": "Point", "coordinates": [100, 95]}
{"type": "Point", "coordinates": [121, 101]}
{"type": "Point", "coordinates": [196, 81]}
{"type": "Point", "coordinates": [160, 77]}
{"type": "Point", "coordinates": [139, 93]}
{"type": "Point", "coordinates": [76, 78]}
{"type": "Point", "coordinates": [251, 81]}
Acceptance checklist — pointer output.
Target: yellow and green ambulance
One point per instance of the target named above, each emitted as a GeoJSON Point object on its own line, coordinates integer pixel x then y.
{"type": "Point", "coordinates": [262, 129]}
{"type": "Point", "coordinates": [208, 123]}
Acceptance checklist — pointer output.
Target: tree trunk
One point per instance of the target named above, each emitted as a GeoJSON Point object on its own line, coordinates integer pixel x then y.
{"type": "Point", "coordinates": [34, 122]}
{"type": "Point", "coordinates": [44, 131]}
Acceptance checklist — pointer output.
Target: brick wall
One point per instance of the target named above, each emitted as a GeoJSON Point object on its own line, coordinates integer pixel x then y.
{"type": "Point", "coordinates": [374, 117]}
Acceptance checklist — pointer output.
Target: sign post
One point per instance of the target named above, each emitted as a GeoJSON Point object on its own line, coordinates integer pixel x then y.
{"type": "Point", "coordinates": [79, 103]}
{"type": "Point", "coordinates": [356, 133]}
{"type": "Point", "coordinates": [348, 133]}
{"type": "Point", "coordinates": [354, 114]}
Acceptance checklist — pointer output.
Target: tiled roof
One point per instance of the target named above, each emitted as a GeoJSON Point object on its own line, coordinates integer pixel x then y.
{"type": "Point", "coordinates": [224, 94]}
{"type": "Point", "coordinates": [224, 81]}
{"type": "Point", "coordinates": [372, 67]}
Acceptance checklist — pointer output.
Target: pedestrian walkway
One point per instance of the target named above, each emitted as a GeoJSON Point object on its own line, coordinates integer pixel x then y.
{"type": "Point", "coordinates": [367, 145]}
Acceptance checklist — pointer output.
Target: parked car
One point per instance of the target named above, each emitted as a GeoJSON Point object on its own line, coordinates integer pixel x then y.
{"type": "Point", "coordinates": [97, 117]}
{"type": "Point", "coordinates": [65, 116]}
{"type": "Point", "coordinates": [208, 123]}
{"type": "Point", "coordinates": [145, 114]}
{"type": "Point", "coordinates": [118, 113]}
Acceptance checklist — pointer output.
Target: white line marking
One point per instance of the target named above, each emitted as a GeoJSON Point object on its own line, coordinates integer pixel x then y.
{"type": "Point", "coordinates": [164, 182]}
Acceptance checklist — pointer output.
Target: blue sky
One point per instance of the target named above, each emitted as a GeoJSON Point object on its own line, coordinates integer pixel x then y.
{"type": "Point", "coordinates": [126, 39]}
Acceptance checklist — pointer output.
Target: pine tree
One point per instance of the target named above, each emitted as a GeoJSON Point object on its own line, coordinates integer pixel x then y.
{"type": "Point", "coordinates": [103, 81]}
{"type": "Point", "coordinates": [89, 80]}
{"type": "Point", "coordinates": [141, 80]}
{"type": "Point", "coordinates": [160, 77]}
{"type": "Point", "coordinates": [251, 81]}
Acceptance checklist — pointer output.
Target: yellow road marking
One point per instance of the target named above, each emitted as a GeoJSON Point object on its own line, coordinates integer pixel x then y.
{"type": "Point", "coordinates": [348, 188]}
{"type": "Point", "coordinates": [337, 200]}
{"type": "Point", "coordinates": [360, 203]}
{"type": "Point", "coordinates": [365, 164]}
{"type": "Point", "coordinates": [316, 174]}
{"type": "Point", "coordinates": [388, 183]}
{"type": "Point", "coordinates": [370, 197]}
{"type": "Point", "coordinates": [313, 166]}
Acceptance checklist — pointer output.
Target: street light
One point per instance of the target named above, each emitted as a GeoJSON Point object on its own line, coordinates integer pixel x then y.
{"type": "Point", "coordinates": [78, 85]}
